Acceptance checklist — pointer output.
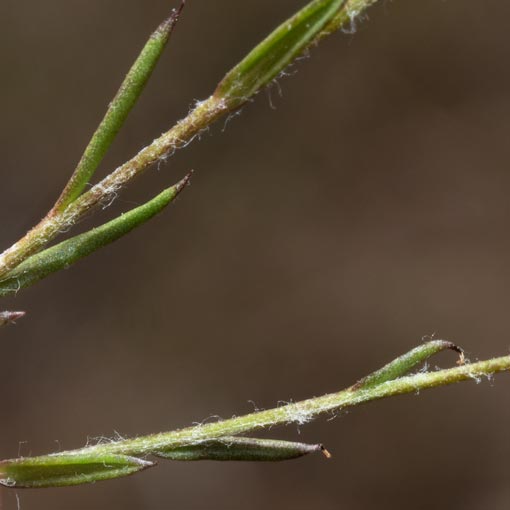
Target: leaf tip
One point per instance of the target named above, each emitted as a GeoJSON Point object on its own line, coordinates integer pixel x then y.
{"type": "Point", "coordinates": [184, 182]}
{"type": "Point", "coordinates": [325, 452]}
{"type": "Point", "coordinates": [168, 25]}
{"type": "Point", "coordinates": [10, 317]}
{"type": "Point", "coordinates": [143, 463]}
{"type": "Point", "coordinates": [454, 347]}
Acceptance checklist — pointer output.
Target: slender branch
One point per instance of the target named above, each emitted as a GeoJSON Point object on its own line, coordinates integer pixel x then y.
{"type": "Point", "coordinates": [305, 411]}
{"type": "Point", "coordinates": [217, 441]}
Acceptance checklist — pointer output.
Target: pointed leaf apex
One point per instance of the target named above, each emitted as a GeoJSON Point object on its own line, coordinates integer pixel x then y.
{"type": "Point", "coordinates": [325, 452]}
{"type": "Point", "coordinates": [10, 317]}
{"type": "Point", "coordinates": [70, 251]}
{"type": "Point", "coordinates": [183, 182]}
{"type": "Point", "coordinates": [168, 25]}
{"type": "Point", "coordinates": [404, 364]}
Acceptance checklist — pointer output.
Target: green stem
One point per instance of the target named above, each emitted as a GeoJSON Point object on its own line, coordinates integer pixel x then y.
{"type": "Point", "coordinates": [303, 412]}
{"type": "Point", "coordinates": [214, 441]}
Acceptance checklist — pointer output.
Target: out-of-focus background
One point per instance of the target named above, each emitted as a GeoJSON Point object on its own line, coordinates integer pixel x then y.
{"type": "Point", "coordinates": [367, 208]}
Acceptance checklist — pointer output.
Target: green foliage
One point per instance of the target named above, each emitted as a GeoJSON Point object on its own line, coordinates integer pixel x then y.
{"type": "Point", "coordinates": [217, 441]}
{"type": "Point", "coordinates": [61, 470]}
{"type": "Point", "coordinates": [405, 363]}
{"type": "Point", "coordinates": [28, 261]}
{"type": "Point", "coordinates": [266, 61]}
{"type": "Point", "coordinates": [117, 112]}
{"type": "Point", "coordinates": [63, 255]}
{"type": "Point", "coordinates": [240, 448]}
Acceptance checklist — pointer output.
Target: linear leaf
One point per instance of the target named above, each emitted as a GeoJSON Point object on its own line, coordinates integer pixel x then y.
{"type": "Point", "coordinates": [118, 110]}
{"type": "Point", "coordinates": [405, 363]}
{"type": "Point", "coordinates": [63, 255]}
{"type": "Point", "coordinates": [297, 412]}
{"type": "Point", "coordinates": [242, 448]}
{"type": "Point", "coordinates": [267, 60]}
{"type": "Point", "coordinates": [60, 470]}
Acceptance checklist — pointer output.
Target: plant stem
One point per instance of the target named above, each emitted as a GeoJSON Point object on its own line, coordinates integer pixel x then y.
{"type": "Point", "coordinates": [300, 412]}
{"type": "Point", "coordinates": [218, 441]}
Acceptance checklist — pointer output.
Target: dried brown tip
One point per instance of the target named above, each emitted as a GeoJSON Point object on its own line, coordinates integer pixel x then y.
{"type": "Point", "coordinates": [181, 7]}
{"type": "Point", "coordinates": [459, 350]}
{"type": "Point", "coordinates": [168, 25]}
{"type": "Point", "coordinates": [184, 182]}
{"type": "Point", "coordinates": [325, 452]}
{"type": "Point", "coordinates": [10, 317]}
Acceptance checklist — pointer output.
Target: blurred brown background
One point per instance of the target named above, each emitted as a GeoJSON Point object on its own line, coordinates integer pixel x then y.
{"type": "Point", "coordinates": [318, 240]}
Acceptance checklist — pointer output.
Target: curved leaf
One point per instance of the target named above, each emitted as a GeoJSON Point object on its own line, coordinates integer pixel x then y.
{"type": "Point", "coordinates": [241, 448]}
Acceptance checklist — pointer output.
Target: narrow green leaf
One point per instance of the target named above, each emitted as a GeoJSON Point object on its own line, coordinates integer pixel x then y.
{"type": "Point", "coordinates": [62, 255]}
{"type": "Point", "coordinates": [267, 60]}
{"type": "Point", "coordinates": [242, 448]}
{"type": "Point", "coordinates": [403, 364]}
{"type": "Point", "coordinates": [118, 110]}
{"type": "Point", "coordinates": [10, 317]}
{"type": "Point", "coordinates": [60, 470]}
